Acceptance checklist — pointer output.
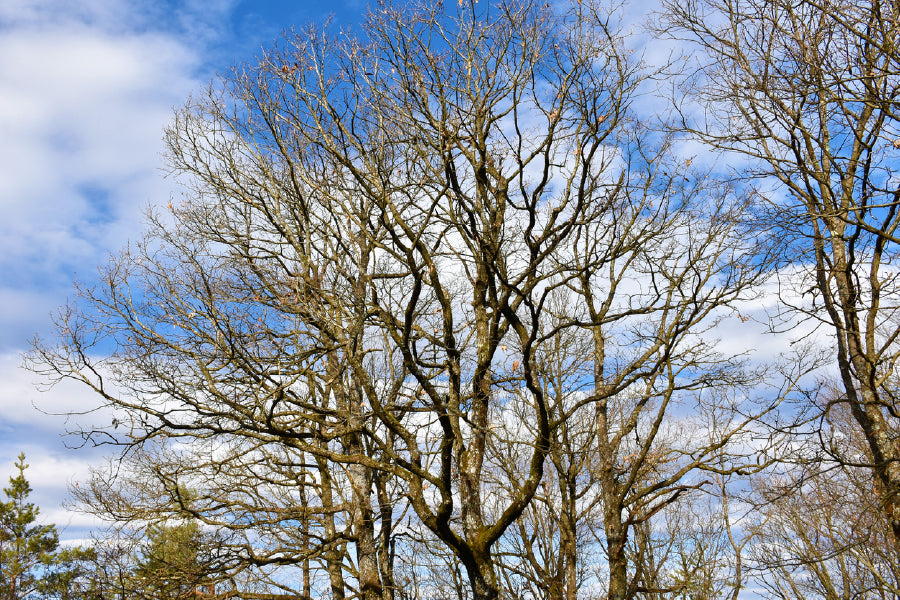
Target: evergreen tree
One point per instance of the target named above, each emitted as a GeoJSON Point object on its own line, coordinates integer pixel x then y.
{"type": "Point", "coordinates": [171, 565]}
{"type": "Point", "coordinates": [27, 549]}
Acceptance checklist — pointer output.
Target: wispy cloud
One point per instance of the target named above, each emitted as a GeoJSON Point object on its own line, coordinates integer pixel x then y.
{"type": "Point", "coordinates": [86, 89]}
{"type": "Point", "coordinates": [83, 101]}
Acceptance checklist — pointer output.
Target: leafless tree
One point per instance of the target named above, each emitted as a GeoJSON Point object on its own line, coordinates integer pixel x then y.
{"type": "Point", "coordinates": [820, 529]}
{"type": "Point", "coordinates": [272, 511]}
{"type": "Point", "coordinates": [384, 240]}
{"type": "Point", "coordinates": [803, 94]}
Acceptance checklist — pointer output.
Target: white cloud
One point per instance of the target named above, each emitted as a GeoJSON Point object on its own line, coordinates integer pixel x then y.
{"type": "Point", "coordinates": [43, 13]}
{"type": "Point", "coordinates": [50, 473]}
{"type": "Point", "coordinates": [86, 89]}
{"type": "Point", "coordinates": [82, 111]}
{"type": "Point", "coordinates": [31, 423]}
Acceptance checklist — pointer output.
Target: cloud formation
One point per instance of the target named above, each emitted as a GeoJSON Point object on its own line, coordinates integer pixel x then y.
{"type": "Point", "coordinates": [86, 89]}
{"type": "Point", "coordinates": [82, 109]}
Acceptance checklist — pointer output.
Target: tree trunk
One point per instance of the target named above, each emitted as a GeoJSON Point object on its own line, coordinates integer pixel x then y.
{"type": "Point", "coordinates": [364, 531]}
{"type": "Point", "coordinates": [857, 361]}
{"type": "Point", "coordinates": [570, 557]}
{"type": "Point", "coordinates": [333, 556]}
{"type": "Point", "coordinates": [385, 540]}
{"type": "Point", "coordinates": [616, 536]}
{"type": "Point", "coordinates": [349, 402]}
{"type": "Point", "coordinates": [483, 576]}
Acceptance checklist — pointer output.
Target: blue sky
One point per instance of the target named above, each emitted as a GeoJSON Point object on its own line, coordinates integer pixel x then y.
{"type": "Point", "coordinates": [86, 88]}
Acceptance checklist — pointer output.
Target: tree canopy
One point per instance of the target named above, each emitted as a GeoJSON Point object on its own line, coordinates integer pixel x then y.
{"type": "Point", "coordinates": [441, 306]}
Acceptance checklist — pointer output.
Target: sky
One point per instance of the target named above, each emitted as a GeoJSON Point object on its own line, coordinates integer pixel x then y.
{"type": "Point", "coordinates": [86, 89]}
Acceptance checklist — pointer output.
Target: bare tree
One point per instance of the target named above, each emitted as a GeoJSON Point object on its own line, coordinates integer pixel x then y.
{"type": "Point", "coordinates": [820, 529]}
{"type": "Point", "coordinates": [806, 91]}
{"type": "Point", "coordinates": [694, 549]}
{"type": "Point", "coordinates": [272, 513]}
{"type": "Point", "coordinates": [384, 240]}
{"type": "Point", "coordinates": [667, 460]}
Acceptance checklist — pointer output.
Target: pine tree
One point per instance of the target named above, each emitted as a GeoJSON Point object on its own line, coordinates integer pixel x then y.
{"type": "Point", "coordinates": [27, 549]}
{"type": "Point", "coordinates": [171, 565]}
